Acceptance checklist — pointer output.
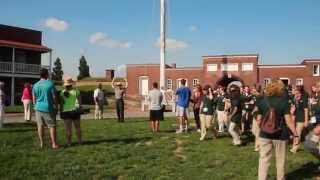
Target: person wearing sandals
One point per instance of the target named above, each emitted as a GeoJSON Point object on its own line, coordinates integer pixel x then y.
{"type": "Point", "coordinates": [69, 108]}
{"type": "Point", "coordinates": [45, 100]}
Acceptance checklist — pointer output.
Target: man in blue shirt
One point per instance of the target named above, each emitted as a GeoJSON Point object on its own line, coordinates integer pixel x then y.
{"type": "Point", "coordinates": [45, 104]}
{"type": "Point", "coordinates": [183, 95]}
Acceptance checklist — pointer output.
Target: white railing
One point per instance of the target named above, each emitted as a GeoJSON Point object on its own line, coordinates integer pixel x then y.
{"type": "Point", "coordinates": [21, 68]}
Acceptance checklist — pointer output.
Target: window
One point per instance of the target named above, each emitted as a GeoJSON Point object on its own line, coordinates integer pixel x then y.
{"type": "Point", "coordinates": [316, 70]}
{"type": "Point", "coordinates": [229, 67]}
{"type": "Point", "coordinates": [266, 81]}
{"type": "Point", "coordinates": [299, 81]}
{"type": "Point", "coordinates": [169, 83]}
{"type": "Point", "coordinates": [195, 82]}
{"type": "Point", "coordinates": [286, 81]}
{"type": "Point", "coordinates": [212, 67]}
{"type": "Point", "coordinates": [247, 66]}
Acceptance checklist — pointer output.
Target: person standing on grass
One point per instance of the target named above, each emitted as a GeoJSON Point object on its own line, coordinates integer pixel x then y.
{"type": "Point", "coordinates": [99, 101]}
{"type": "Point", "coordinates": [70, 109]}
{"type": "Point", "coordinates": [183, 98]}
{"type": "Point", "coordinates": [221, 113]}
{"type": "Point", "coordinates": [196, 100]}
{"type": "Point", "coordinates": [26, 99]}
{"type": "Point", "coordinates": [274, 120]}
{"type": "Point", "coordinates": [207, 111]}
{"type": "Point", "coordinates": [255, 128]}
{"type": "Point", "coordinates": [2, 104]}
{"type": "Point", "coordinates": [235, 114]}
{"type": "Point", "coordinates": [46, 105]}
{"type": "Point", "coordinates": [312, 142]}
{"type": "Point", "coordinates": [300, 113]}
{"type": "Point", "coordinates": [155, 98]}
{"type": "Point", "coordinates": [119, 93]}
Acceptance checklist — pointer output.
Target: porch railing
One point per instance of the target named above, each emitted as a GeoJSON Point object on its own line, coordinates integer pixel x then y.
{"type": "Point", "coordinates": [6, 67]}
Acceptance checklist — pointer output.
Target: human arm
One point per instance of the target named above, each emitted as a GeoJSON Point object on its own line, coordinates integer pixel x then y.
{"type": "Point", "coordinates": [291, 125]}
{"type": "Point", "coordinates": [306, 117]}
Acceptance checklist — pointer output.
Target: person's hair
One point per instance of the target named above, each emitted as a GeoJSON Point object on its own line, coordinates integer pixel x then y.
{"type": "Point", "coordinates": [275, 88]}
{"type": "Point", "coordinates": [183, 82]}
{"type": "Point", "coordinates": [300, 89]}
{"type": "Point", "coordinates": [27, 85]}
{"type": "Point", "coordinates": [234, 90]}
{"type": "Point", "coordinates": [207, 87]}
{"type": "Point", "coordinates": [100, 85]}
{"type": "Point", "coordinates": [44, 73]}
{"type": "Point", "coordinates": [155, 85]}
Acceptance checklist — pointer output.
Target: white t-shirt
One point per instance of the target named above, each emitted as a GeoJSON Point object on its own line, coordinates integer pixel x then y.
{"type": "Point", "coordinates": [155, 99]}
{"type": "Point", "coordinates": [98, 94]}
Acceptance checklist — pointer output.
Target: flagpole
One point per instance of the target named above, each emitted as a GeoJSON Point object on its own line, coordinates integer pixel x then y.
{"type": "Point", "coordinates": [162, 42]}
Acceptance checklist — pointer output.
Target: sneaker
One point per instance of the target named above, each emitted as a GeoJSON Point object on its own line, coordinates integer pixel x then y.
{"type": "Point", "coordinates": [179, 131]}
{"type": "Point", "coordinates": [256, 149]}
{"type": "Point", "coordinates": [198, 130]}
{"type": "Point", "coordinates": [293, 151]}
{"type": "Point", "coordinates": [202, 138]}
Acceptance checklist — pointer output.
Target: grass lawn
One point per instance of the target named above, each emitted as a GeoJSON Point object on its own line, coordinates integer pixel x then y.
{"type": "Point", "coordinates": [131, 151]}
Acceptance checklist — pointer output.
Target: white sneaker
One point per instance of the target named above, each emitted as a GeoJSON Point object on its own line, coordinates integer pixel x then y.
{"type": "Point", "coordinates": [179, 131]}
{"type": "Point", "coordinates": [198, 130]}
{"type": "Point", "coordinates": [202, 138]}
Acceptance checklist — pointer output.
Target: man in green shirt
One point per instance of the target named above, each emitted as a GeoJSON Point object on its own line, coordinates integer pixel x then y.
{"type": "Point", "coordinates": [235, 114]}
{"type": "Point", "coordinates": [221, 113]}
{"type": "Point", "coordinates": [300, 112]}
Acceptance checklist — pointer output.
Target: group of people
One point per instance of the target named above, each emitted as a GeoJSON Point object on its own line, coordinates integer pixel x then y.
{"type": "Point", "coordinates": [275, 115]}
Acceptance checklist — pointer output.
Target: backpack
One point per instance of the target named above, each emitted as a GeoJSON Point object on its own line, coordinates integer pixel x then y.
{"type": "Point", "coordinates": [270, 123]}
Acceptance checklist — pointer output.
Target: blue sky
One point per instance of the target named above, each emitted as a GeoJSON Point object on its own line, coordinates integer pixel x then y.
{"type": "Point", "coordinates": [115, 32]}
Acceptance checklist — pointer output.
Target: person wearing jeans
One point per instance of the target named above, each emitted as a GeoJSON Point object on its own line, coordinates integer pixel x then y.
{"type": "Point", "coordinates": [27, 101]}
{"type": "Point", "coordinates": [275, 102]}
{"type": "Point", "coordinates": [119, 95]}
{"type": "Point", "coordinates": [196, 100]}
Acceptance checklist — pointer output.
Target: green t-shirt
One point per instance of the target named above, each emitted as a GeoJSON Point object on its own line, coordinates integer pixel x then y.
{"type": "Point", "coordinates": [69, 102]}
{"type": "Point", "coordinates": [236, 102]}
{"type": "Point", "coordinates": [220, 102]}
{"type": "Point", "coordinates": [245, 100]}
{"type": "Point", "coordinates": [300, 106]}
{"type": "Point", "coordinates": [208, 106]}
{"type": "Point", "coordinates": [281, 106]}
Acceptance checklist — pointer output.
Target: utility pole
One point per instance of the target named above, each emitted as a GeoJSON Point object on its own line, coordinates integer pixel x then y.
{"type": "Point", "coordinates": [162, 43]}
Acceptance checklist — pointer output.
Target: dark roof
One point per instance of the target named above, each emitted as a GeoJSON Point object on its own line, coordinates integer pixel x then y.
{"type": "Point", "coordinates": [224, 55]}
{"type": "Point", "coordinates": [21, 45]}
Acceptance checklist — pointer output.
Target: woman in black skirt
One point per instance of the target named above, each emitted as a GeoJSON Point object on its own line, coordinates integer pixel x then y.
{"type": "Point", "coordinates": [156, 113]}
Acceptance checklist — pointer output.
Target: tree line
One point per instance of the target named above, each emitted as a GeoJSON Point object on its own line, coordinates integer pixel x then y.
{"type": "Point", "coordinates": [84, 70]}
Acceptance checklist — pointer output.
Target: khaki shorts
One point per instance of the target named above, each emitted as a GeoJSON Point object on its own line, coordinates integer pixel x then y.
{"type": "Point", "coordinates": [45, 119]}
{"type": "Point", "coordinates": [182, 112]}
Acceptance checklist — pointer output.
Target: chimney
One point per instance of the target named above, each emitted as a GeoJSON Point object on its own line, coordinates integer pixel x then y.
{"type": "Point", "coordinates": [173, 65]}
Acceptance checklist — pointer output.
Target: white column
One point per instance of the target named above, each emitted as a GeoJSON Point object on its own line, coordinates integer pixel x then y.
{"type": "Point", "coordinates": [162, 43]}
{"type": "Point", "coordinates": [12, 77]}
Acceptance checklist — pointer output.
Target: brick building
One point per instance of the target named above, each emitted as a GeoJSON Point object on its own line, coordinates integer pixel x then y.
{"type": "Point", "coordinates": [221, 70]}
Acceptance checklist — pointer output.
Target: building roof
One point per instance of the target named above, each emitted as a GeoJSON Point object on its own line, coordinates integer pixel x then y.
{"type": "Point", "coordinates": [34, 47]}
{"type": "Point", "coordinates": [231, 55]}
{"type": "Point", "coordinates": [282, 66]}
{"type": "Point", "coordinates": [310, 61]}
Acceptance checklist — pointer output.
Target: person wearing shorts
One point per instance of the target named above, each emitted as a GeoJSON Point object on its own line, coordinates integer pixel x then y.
{"type": "Point", "coordinates": [155, 98]}
{"type": "Point", "coordinates": [69, 108]}
{"type": "Point", "coordinates": [46, 105]}
{"type": "Point", "coordinates": [183, 94]}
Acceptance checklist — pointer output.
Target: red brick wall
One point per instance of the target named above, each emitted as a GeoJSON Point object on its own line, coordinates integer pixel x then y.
{"type": "Point", "coordinates": [248, 77]}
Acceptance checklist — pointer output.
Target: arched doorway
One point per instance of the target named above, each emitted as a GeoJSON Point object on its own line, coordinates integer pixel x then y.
{"type": "Point", "coordinates": [227, 80]}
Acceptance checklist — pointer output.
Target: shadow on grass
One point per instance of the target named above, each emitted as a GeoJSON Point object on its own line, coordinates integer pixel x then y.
{"type": "Point", "coordinates": [306, 171]}
{"type": "Point", "coordinates": [117, 140]}
{"type": "Point", "coordinates": [19, 127]}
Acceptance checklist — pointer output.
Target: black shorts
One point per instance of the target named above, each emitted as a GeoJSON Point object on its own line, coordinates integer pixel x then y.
{"type": "Point", "coordinates": [156, 115]}
{"type": "Point", "coordinates": [70, 115]}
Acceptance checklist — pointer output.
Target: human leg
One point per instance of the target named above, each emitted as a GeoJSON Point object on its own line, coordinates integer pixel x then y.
{"type": "Point", "coordinates": [265, 155]}
{"type": "Point", "coordinates": [234, 134]}
{"type": "Point", "coordinates": [299, 129]}
{"type": "Point", "coordinates": [280, 153]}
{"type": "Point", "coordinates": [203, 127]}
{"type": "Point", "coordinates": [68, 128]}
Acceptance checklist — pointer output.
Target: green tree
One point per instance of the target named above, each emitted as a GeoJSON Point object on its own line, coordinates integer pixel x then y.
{"type": "Point", "coordinates": [84, 70]}
{"type": "Point", "coordinates": [57, 72]}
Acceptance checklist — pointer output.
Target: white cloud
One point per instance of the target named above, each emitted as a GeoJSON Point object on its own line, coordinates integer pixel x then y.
{"type": "Point", "coordinates": [173, 44]}
{"type": "Point", "coordinates": [104, 40]}
{"type": "Point", "coordinates": [193, 28]}
{"type": "Point", "coordinates": [56, 24]}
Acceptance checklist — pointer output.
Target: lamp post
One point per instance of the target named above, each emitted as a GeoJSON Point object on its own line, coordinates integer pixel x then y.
{"type": "Point", "coordinates": [162, 42]}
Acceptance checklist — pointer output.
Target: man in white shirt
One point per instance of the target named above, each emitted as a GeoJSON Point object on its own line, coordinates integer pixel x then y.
{"type": "Point", "coordinates": [99, 100]}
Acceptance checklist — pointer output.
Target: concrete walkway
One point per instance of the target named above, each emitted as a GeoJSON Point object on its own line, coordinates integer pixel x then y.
{"type": "Point", "coordinates": [18, 117]}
